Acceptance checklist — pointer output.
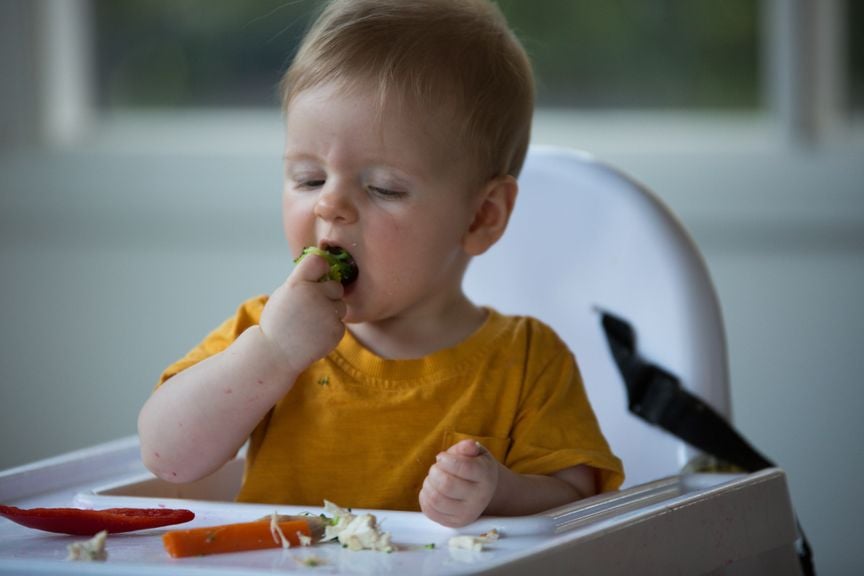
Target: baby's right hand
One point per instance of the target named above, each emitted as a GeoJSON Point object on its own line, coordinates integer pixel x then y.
{"type": "Point", "coordinates": [303, 317]}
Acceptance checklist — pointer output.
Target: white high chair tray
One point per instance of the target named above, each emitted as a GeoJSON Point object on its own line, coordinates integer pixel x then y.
{"type": "Point", "coordinates": [693, 524]}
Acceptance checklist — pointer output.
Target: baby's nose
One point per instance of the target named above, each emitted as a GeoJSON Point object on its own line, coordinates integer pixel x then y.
{"type": "Point", "coordinates": [335, 204]}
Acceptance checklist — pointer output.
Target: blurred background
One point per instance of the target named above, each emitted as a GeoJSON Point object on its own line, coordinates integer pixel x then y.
{"type": "Point", "coordinates": [140, 180]}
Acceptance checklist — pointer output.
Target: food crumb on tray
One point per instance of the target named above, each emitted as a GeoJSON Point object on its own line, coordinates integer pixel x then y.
{"type": "Point", "coordinates": [92, 550]}
{"type": "Point", "coordinates": [475, 543]}
{"type": "Point", "coordinates": [355, 532]}
{"type": "Point", "coordinates": [311, 561]}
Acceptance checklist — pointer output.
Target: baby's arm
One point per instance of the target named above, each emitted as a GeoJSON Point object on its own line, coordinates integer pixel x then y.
{"type": "Point", "coordinates": [198, 419]}
{"type": "Point", "coordinates": [467, 481]}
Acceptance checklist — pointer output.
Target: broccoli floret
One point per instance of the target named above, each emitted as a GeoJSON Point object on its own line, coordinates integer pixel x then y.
{"type": "Point", "coordinates": [343, 269]}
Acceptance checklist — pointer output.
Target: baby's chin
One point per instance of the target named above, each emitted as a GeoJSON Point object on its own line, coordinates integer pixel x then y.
{"type": "Point", "coordinates": [356, 315]}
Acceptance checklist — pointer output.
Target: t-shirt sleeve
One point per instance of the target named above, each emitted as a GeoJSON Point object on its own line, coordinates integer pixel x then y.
{"type": "Point", "coordinates": [557, 427]}
{"type": "Point", "coordinates": [248, 314]}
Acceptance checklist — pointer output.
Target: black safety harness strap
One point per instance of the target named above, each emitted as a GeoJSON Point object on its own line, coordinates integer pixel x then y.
{"type": "Point", "coordinates": [656, 396]}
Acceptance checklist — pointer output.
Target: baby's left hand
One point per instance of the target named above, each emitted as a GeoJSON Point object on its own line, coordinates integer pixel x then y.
{"type": "Point", "coordinates": [460, 484]}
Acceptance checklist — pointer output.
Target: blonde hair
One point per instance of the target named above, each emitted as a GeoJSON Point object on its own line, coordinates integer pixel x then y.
{"type": "Point", "coordinates": [433, 53]}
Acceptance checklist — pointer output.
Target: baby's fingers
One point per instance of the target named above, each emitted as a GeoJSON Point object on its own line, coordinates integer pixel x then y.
{"type": "Point", "coordinates": [466, 448]}
{"type": "Point", "coordinates": [441, 506]}
{"type": "Point", "coordinates": [470, 468]}
{"type": "Point", "coordinates": [332, 290]}
{"type": "Point", "coordinates": [449, 485]}
{"type": "Point", "coordinates": [314, 269]}
{"type": "Point", "coordinates": [311, 269]}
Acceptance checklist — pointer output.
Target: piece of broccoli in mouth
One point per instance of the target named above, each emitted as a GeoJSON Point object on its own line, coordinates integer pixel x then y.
{"type": "Point", "coordinates": [343, 268]}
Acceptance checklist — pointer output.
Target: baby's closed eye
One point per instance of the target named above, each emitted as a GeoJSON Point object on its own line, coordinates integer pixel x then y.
{"type": "Point", "coordinates": [386, 193]}
{"type": "Point", "coordinates": [310, 184]}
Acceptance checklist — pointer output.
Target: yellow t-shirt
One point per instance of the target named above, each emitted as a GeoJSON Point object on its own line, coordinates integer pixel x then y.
{"type": "Point", "coordinates": [362, 431]}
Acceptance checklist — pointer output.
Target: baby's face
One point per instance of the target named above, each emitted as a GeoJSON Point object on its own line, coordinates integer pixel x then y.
{"type": "Point", "coordinates": [384, 185]}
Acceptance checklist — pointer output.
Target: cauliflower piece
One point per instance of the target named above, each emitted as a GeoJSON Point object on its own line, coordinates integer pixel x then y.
{"type": "Point", "coordinates": [356, 532]}
{"type": "Point", "coordinates": [92, 550]}
{"type": "Point", "coordinates": [474, 543]}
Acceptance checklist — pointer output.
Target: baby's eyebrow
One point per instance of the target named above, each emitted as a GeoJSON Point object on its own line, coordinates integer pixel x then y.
{"type": "Point", "coordinates": [393, 175]}
{"type": "Point", "coordinates": [300, 163]}
{"type": "Point", "coordinates": [291, 156]}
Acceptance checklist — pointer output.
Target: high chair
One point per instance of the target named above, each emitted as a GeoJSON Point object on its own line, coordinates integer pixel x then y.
{"type": "Point", "coordinates": [584, 238]}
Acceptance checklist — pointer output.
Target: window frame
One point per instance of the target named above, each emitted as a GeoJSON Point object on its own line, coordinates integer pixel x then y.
{"type": "Point", "coordinates": [804, 75]}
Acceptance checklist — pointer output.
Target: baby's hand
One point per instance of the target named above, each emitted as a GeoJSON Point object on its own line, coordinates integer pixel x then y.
{"type": "Point", "coordinates": [303, 317]}
{"type": "Point", "coordinates": [460, 484]}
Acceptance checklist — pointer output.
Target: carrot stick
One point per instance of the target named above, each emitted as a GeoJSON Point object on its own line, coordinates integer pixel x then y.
{"type": "Point", "coordinates": [231, 538]}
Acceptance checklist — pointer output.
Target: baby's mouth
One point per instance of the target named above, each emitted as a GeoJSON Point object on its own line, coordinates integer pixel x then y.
{"type": "Point", "coordinates": [344, 261]}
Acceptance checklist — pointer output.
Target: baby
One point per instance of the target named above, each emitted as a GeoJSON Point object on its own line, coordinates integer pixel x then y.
{"type": "Point", "coordinates": [406, 126]}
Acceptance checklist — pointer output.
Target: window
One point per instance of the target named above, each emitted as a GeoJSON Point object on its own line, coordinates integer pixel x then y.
{"type": "Point", "coordinates": [588, 53]}
{"type": "Point", "coordinates": [796, 67]}
{"type": "Point", "coordinates": [194, 53]}
{"type": "Point", "coordinates": [636, 54]}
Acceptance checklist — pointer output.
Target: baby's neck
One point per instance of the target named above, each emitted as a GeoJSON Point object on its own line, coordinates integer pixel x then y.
{"type": "Point", "coordinates": [415, 336]}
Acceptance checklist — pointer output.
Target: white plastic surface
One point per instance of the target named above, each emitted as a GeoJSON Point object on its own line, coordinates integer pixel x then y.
{"type": "Point", "coordinates": [700, 524]}
{"type": "Point", "coordinates": [585, 236]}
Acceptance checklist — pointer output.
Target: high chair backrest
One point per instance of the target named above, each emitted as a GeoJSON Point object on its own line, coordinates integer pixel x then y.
{"type": "Point", "coordinates": [584, 236]}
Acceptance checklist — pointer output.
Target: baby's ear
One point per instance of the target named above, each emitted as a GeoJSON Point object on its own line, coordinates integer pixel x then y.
{"type": "Point", "coordinates": [491, 215]}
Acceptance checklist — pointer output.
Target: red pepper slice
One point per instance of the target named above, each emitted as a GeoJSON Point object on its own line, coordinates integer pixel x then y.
{"type": "Point", "coordinates": [89, 522]}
